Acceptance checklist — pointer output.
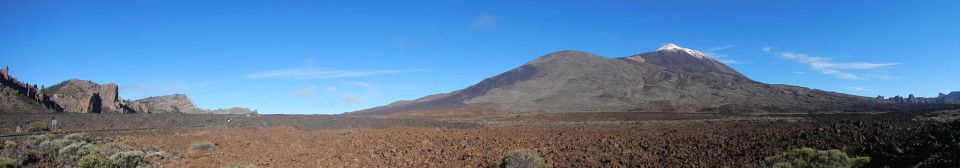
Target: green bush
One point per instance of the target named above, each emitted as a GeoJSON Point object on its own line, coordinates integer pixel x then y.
{"type": "Point", "coordinates": [8, 163]}
{"type": "Point", "coordinates": [116, 147]}
{"type": "Point", "coordinates": [240, 165]}
{"type": "Point", "coordinates": [94, 161]}
{"type": "Point", "coordinates": [55, 144]}
{"type": "Point", "coordinates": [38, 126]}
{"type": "Point", "coordinates": [521, 158]}
{"type": "Point", "coordinates": [205, 146]}
{"type": "Point", "coordinates": [74, 151]}
{"type": "Point", "coordinates": [128, 159]}
{"type": "Point", "coordinates": [344, 132]}
{"type": "Point", "coordinates": [37, 139]}
{"type": "Point", "coordinates": [83, 137]}
{"type": "Point", "coordinates": [9, 144]}
{"type": "Point", "coordinates": [812, 158]}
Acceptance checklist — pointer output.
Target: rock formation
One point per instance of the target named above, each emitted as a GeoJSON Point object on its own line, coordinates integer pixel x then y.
{"type": "Point", "coordinates": [952, 98]}
{"type": "Point", "coordinates": [670, 79]}
{"type": "Point", "coordinates": [178, 103]}
{"type": "Point", "coordinates": [83, 96]}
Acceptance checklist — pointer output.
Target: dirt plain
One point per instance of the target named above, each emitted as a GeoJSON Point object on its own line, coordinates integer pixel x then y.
{"type": "Point", "coordinates": [563, 139]}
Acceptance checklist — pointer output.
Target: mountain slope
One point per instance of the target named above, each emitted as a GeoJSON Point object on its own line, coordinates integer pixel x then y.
{"type": "Point", "coordinates": [670, 79]}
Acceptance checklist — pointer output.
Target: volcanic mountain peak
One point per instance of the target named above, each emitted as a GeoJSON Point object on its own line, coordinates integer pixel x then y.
{"type": "Point", "coordinates": [670, 47]}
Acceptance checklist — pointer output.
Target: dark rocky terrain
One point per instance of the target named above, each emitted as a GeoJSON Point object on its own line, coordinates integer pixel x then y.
{"type": "Point", "coordinates": [670, 79]}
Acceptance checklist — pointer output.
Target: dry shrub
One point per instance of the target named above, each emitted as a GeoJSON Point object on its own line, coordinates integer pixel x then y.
{"type": "Point", "coordinates": [521, 158]}
{"type": "Point", "coordinates": [204, 145]}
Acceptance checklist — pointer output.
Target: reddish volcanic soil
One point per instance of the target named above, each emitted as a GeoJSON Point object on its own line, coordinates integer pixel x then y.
{"type": "Point", "coordinates": [658, 143]}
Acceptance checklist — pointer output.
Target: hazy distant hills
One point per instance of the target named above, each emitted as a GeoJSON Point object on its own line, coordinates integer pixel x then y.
{"type": "Point", "coordinates": [82, 96]}
{"type": "Point", "coordinates": [670, 79]}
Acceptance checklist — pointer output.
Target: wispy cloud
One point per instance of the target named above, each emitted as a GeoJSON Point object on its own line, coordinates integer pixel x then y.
{"type": "Point", "coordinates": [720, 48]}
{"type": "Point", "coordinates": [330, 89]}
{"type": "Point", "coordinates": [713, 53]}
{"type": "Point", "coordinates": [859, 88]}
{"type": "Point", "coordinates": [309, 73]}
{"type": "Point", "coordinates": [351, 98]}
{"type": "Point", "coordinates": [829, 67]}
{"type": "Point", "coordinates": [766, 50]}
{"type": "Point", "coordinates": [485, 21]}
{"type": "Point", "coordinates": [307, 92]}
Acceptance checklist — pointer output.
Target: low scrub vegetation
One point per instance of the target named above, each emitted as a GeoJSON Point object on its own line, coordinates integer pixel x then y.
{"type": "Point", "coordinates": [8, 163]}
{"type": "Point", "coordinates": [521, 158]}
{"type": "Point", "coordinates": [239, 165]}
{"type": "Point", "coordinates": [73, 150]}
{"type": "Point", "coordinates": [813, 158]}
{"type": "Point", "coordinates": [344, 132]}
{"type": "Point", "coordinates": [128, 159]}
{"type": "Point", "coordinates": [205, 146]}
{"type": "Point", "coordinates": [38, 126]}
{"type": "Point", "coordinates": [80, 137]}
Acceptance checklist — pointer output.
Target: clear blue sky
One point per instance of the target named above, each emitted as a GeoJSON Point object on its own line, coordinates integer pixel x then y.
{"type": "Point", "coordinates": [337, 56]}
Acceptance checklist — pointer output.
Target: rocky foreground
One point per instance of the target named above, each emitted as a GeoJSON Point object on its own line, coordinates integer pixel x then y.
{"type": "Point", "coordinates": [892, 141]}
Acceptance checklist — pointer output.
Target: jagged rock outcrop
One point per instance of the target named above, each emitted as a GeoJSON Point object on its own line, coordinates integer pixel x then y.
{"type": "Point", "coordinates": [83, 96]}
{"type": "Point", "coordinates": [952, 98]}
{"type": "Point", "coordinates": [175, 103]}
{"type": "Point", "coordinates": [178, 103]}
{"type": "Point", "coordinates": [20, 97]}
{"type": "Point", "coordinates": [670, 79]}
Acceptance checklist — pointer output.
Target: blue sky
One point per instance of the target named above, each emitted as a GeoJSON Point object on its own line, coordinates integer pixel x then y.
{"type": "Point", "coordinates": [338, 56]}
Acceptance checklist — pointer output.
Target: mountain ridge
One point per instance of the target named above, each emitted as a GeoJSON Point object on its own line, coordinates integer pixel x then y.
{"type": "Point", "coordinates": [671, 79]}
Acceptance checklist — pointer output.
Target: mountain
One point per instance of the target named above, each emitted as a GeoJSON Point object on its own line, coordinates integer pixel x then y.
{"type": "Point", "coordinates": [670, 79]}
{"type": "Point", "coordinates": [83, 96]}
{"type": "Point", "coordinates": [19, 97]}
{"type": "Point", "coordinates": [178, 103]}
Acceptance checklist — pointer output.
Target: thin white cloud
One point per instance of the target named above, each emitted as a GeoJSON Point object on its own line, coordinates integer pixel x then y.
{"type": "Point", "coordinates": [330, 89]}
{"type": "Point", "coordinates": [309, 73]}
{"type": "Point", "coordinates": [485, 21]}
{"type": "Point", "coordinates": [766, 50]}
{"type": "Point", "coordinates": [307, 92]}
{"type": "Point", "coordinates": [859, 88]}
{"type": "Point", "coordinates": [712, 52]}
{"type": "Point", "coordinates": [828, 67]}
{"type": "Point", "coordinates": [363, 85]}
{"type": "Point", "coordinates": [720, 48]}
{"type": "Point", "coordinates": [351, 98]}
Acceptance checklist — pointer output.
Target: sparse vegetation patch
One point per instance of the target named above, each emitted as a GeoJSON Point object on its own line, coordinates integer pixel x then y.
{"type": "Point", "coordinates": [812, 158]}
{"type": "Point", "coordinates": [521, 158]}
{"type": "Point", "coordinates": [38, 126]}
{"type": "Point", "coordinates": [205, 146]}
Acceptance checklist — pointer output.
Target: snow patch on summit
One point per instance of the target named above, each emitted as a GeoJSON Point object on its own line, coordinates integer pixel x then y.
{"type": "Point", "coordinates": [670, 47]}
